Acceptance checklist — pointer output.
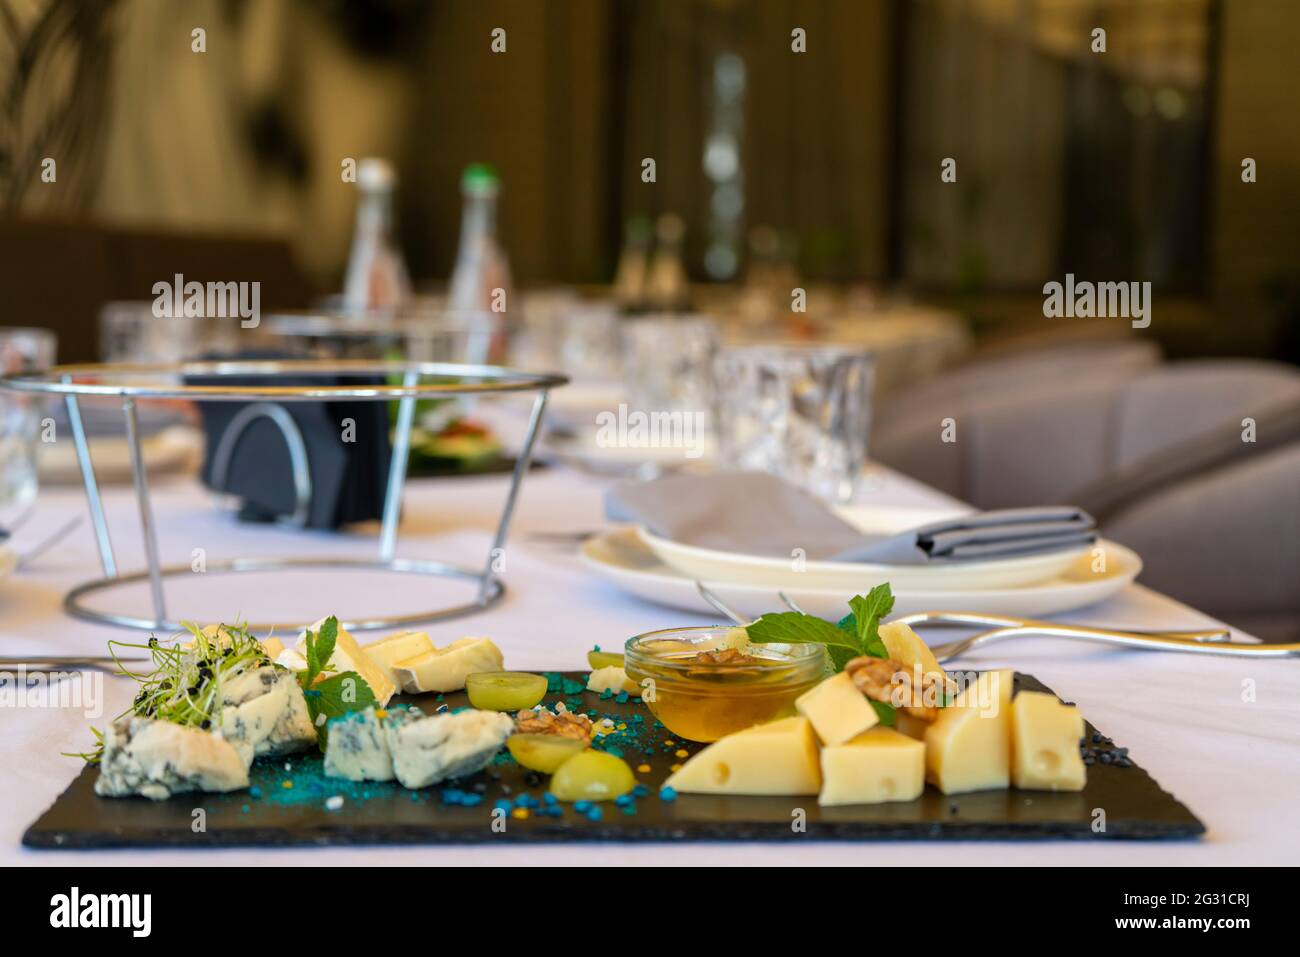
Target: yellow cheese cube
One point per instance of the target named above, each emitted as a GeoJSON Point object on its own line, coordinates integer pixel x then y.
{"type": "Point", "coordinates": [876, 766]}
{"type": "Point", "coordinates": [779, 758]}
{"type": "Point", "coordinates": [837, 709]}
{"type": "Point", "coordinates": [387, 652]}
{"type": "Point", "coordinates": [1045, 744]}
{"type": "Point", "coordinates": [447, 668]}
{"type": "Point", "coordinates": [348, 656]}
{"type": "Point", "coordinates": [968, 747]}
{"type": "Point", "coordinates": [273, 647]}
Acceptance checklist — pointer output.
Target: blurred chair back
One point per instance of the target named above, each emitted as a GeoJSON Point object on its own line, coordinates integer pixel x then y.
{"type": "Point", "coordinates": [58, 275]}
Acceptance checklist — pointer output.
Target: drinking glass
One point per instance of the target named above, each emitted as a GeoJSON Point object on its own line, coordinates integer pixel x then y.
{"type": "Point", "coordinates": [668, 363]}
{"type": "Point", "coordinates": [21, 351]}
{"type": "Point", "coordinates": [799, 412]}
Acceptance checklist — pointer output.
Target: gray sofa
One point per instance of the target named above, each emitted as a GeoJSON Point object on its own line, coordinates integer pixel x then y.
{"type": "Point", "coordinates": [1158, 453]}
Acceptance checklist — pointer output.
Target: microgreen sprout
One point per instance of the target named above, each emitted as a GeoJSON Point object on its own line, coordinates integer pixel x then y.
{"type": "Point", "coordinates": [184, 685]}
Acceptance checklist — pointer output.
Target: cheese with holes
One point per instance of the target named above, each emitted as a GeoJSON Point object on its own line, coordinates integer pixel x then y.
{"type": "Point", "coordinates": [1045, 738]}
{"type": "Point", "coordinates": [837, 709]}
{"type": "Point", "coordinates": [349, 656]}
{"type": "Point", "coordinates": [264, 714]}
{"type": "Point", "coordinates": [779, 758]}
{"type": "Point", "coordinates": [157, 759]}
{"type": "Point", "coordinates": [876, 766]}
{"type": "Point", "coordinates": [356, 747]}
{"type": "Point", "coordinates": [445, 669]}
{"type": "Point", "coordinates": [968, 747]}
{"type": "Point", "coordinates": [427, 749]}
{"type": "Point", "coordinates": [387, 652]}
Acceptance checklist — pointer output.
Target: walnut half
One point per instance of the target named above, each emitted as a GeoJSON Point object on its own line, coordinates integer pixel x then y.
{"type": "Point", "coordinates": [561, 722]}
{"type": "Point", "coordinates": [890, 682]}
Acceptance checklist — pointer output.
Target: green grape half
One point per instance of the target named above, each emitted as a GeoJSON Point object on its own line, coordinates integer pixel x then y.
{"type": "Point", "coordinates": [505, 690]}
{"type": "Point", "coordinates": [543, 752]}
{"type": "Point", "coordinates": [603, 659]}
{"type": "Point", "coordinates": [592, 776]}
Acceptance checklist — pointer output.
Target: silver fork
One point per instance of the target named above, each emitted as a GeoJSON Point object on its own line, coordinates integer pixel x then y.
{"type": "Point", "coordinates": [70, 663]}
{"type": "Point", "coordinates": [1211, 642]}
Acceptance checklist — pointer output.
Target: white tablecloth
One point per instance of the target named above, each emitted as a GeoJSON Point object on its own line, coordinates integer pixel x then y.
{"type": "Point", "coordinates": [1234, 762]}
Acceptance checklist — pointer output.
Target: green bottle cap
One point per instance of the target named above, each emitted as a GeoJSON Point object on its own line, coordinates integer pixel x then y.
{"type": "Point", "coordinates": [480, 179]}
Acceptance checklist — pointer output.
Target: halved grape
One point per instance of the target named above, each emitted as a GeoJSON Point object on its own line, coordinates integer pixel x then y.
{"type": "Point", "coordinates": [543, 752]}
{"type": "Point", "coordinates": [603, 659]}
{"type": "Point", "coordinates": [505, 690]}
{"type": "Point", "coordinates": [592, 776]}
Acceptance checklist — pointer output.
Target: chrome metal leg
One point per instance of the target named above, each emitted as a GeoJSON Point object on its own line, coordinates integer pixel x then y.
{"type": "Point", "coordinates": [516, 479]}
{"type": "Point", "coordinates": [147, 528]}
{"type": "Point", "coordinates": [397, 470]}
{"type": "Point", "coordinates": [97, 518]}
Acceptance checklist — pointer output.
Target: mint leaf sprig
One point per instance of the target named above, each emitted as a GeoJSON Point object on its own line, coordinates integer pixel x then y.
{"type": "Point", "coordinates": [854, 635]}
{"type": "Point", "coordinates": [339, 693]}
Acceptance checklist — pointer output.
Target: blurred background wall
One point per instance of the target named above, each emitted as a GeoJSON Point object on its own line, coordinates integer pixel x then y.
{"type": "Point", "coordinates": [1124, 165]}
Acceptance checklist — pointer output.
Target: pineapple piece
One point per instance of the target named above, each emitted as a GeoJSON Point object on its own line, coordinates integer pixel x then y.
{"type": "Point", "coordinates": [906, 647]}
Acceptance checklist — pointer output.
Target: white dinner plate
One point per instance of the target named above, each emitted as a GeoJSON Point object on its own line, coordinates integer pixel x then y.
{"type": "Point", "coordinates": [584, 450]}
{"type": "Point", "coordinates": [619, 557]}
{"type": "Point", "coordinates": [177, 448]}
{"type": "Point", "coordinates": [712, 565]}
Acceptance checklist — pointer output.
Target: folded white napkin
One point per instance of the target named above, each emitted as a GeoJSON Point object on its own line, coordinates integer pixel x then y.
{"type": "Point", "coordinates": [754, 513]}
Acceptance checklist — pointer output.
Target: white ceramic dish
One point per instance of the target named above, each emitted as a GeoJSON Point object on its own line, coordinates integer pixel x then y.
{"type": "Point", "coordinates": [172, 450]}
{"type": "Point", "coordinates": [620, 558]}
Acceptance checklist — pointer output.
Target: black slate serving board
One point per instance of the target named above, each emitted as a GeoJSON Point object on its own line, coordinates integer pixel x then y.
{"type": "Point", "coordinates": [275, 815]}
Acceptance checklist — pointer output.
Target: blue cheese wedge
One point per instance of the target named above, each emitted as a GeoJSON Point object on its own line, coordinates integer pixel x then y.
{"type": "Point", "coordinates": [264, 714]}
{"type": "Point", "coordinates": [427, 749]}
{"type": "Point", "coordinates": [357, 748]}
{"type": "Point", "coordinates": [157, 759]}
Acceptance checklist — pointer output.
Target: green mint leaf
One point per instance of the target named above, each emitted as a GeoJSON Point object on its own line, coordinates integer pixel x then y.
{"type": "Point", "coordinates": [335, 696]}
{"type": "Point", "coordinates": [797, 628]}
{"type": "Point", "coordinates": [313, 663]}
{"type": "Point", "coordinates": [325, 641]}
{"type": "Point", "coordinates": [840, 656]}
{"type": "Point", "coordinates": [867, 613]}
{"type": "Point", "coordinates": [341, 693]}
{"type": "Point", "coordinates": [885, 712]}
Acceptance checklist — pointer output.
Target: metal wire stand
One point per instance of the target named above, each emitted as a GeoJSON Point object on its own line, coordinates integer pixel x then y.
{"type": "Point", "coordinates": [130, 383]}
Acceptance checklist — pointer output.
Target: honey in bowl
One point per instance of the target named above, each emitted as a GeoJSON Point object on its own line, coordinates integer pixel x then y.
{"type": "Point", "coordinates": [708, 682]}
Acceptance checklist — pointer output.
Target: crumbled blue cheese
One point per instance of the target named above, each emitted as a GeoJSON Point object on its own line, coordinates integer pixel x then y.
{"type": "Point", "coordinates": [427, 749]}
{"type": "Point", "coordinates": [357, 748]}
{"type": "Point", "coordinates": [264, 714]}
{"type": "Point", "coordinates": [157, 759]}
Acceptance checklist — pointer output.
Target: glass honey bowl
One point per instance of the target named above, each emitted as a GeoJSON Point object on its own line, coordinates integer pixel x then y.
{"type": "Point", "coordinates": [707, 682]}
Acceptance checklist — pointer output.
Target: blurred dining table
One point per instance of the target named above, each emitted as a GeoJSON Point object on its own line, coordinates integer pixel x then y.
{"type": "Point", "coordinates": [1222, 735]}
